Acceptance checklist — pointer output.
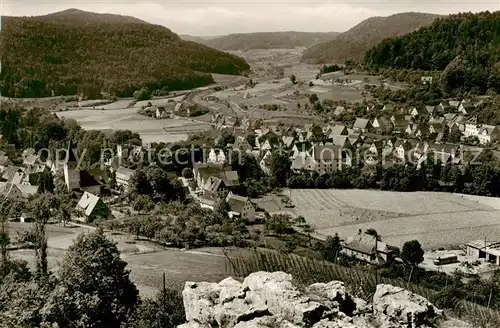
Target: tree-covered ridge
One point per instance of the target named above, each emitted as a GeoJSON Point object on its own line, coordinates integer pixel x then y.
{"type": "Point", "coordinates": [352, 44]}
{"type": "Point", "coordinates": [38, 57]}
{"type": "Point", "coordinates": [465, 46]}
{"type": "Point", "coordinates": [268, 40]}
{"type": "Point", "coordinates": [79, 17]}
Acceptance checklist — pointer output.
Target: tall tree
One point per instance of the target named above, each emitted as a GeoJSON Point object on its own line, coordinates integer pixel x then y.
{"type": "Point", "coordinates": [412, 252]}
{"type": "Point", "coordinates": [42, 207]}
{"type": "Point", "coordinates": [4, 238]}
{"type": "Point", "coordinates": [94, 288]}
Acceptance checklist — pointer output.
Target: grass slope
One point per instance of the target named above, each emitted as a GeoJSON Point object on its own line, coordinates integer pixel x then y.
{"type": "Point", "coordinates": [268, 40]}
{"type": "Point", "coordinates": [353, 43]}
{"type": "Point", "coordinates": [75, 51]}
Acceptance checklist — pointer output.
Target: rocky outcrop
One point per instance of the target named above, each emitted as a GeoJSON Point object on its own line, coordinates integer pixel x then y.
{"type": "Point", "coordinates": [266, 299]}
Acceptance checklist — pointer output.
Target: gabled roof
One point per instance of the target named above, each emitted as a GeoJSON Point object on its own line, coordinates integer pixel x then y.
{"type": "Point", "coordinates": [430, 109]}
{"type": "Point", "coordinates": [366, 244]}
{"type": "Point", "coordinates": [379, 144]}
{"type": "Point", "coordinates": [353, 138]}
{"type": "Point", "coordinates": [27, 190]}
{"type": "Point", "coordinates": [488, 128]}
{"type": "Point", "coordinates": [4, 160]}
{"type": "Point", "coordinates": [342, 141]}
{"type": "Point", "coordinates": [361, 123]}
{"type": "Point", "coordinates": [9, 172]}
{"type": "Point", "coordinates": [30, 160]}
{"type": "Point", "coordinates": [213, 184]}
{"type": "Point", "coordinates": [421, 110]}
{"type": "Point", "coordinates": [338, 130]}
{"type": "Point", "coordinates": [28, 152]}
{"type": "Point", "coordinates": [383, 121]}
{"type": "Point", "coordinates": [450, 116]}
{"type": "Point", "coordinates": [88, 203]}
{"type": "Point", "coordinates": [288, 141]}
{"type": "Point", "coordinates": [236, 203]}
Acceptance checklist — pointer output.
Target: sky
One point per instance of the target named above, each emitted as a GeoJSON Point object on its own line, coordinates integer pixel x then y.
{"type": "Point", "coordinates": [210, 18]}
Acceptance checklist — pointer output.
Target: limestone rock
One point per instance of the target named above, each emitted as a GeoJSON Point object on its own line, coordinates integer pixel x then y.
{"type": "Point", "coordinates": [334, 294]}
{"type": "Point", "coordinates": [271, 300]}
{"type": "Point", "coordinates": [396, 307]}
{"type": "Point", "coordinates": [283, 298]}
{"type": "Point", "coordinates": [269, 321]}
{"type": "Point", "coordinates": [199, 300]}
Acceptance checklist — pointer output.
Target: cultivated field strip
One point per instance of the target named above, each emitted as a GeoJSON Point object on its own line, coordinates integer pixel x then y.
{"type": "Point", "coordinates": [432, 230]}
{"type": "Point", "coordinates": [435, 219]}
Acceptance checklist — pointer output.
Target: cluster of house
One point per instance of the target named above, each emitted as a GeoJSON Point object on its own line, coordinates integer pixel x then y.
{"type": "Point", "coordinates": [20, 182]}
{"type": "Point", "coordinates": [432, 121]}
{"type": "Point", "coordinates": [216, 181]}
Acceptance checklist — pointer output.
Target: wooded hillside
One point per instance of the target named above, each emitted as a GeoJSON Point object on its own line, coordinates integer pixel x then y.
{"type": "Point", "coordinates": [74, 51]}
{"type": "Point", "coordinates": [268, 40]}
{"type": "Point", "coordinates": [353, 43]}
{"type": "Point", "coordinates": [465, 46]}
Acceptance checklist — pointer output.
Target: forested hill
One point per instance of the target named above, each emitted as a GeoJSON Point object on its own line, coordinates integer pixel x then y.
{"type": "Point", "coordinates": [79, 51]}
{"type": "Point", "coordinates": [269, 40]}
{"type": "Point", "coordinates": [465, 46]}
{"type": "Point", "coordinates": [80, 17]}
{"type": "Point", "coordinates": [353, 43]}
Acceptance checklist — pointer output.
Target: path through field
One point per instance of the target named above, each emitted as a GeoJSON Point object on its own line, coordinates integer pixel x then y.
{"type": "Point", "coordinates": [435, 219]}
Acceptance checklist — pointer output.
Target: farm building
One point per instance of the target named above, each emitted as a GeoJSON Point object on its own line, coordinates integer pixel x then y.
{"type": "Point", "coordinates": [367, 248]}
{"type": "Point", "coordinates": [482, 249]}
{"type": "Point", "coordinates": [241, 207]}
{"type": "Point", "coordinates": [92, 207]}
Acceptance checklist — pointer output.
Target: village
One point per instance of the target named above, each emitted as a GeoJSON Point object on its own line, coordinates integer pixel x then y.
{"type": "Point", "coordinates": [445, 134]}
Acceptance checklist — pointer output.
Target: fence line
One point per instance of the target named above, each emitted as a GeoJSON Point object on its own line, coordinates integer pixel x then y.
{"type": "Point", "coordinates": [307, 271]}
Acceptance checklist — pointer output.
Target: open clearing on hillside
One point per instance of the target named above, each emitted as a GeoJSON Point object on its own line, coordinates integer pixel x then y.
{"type": "Point", "coordinates": [435, 219]}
